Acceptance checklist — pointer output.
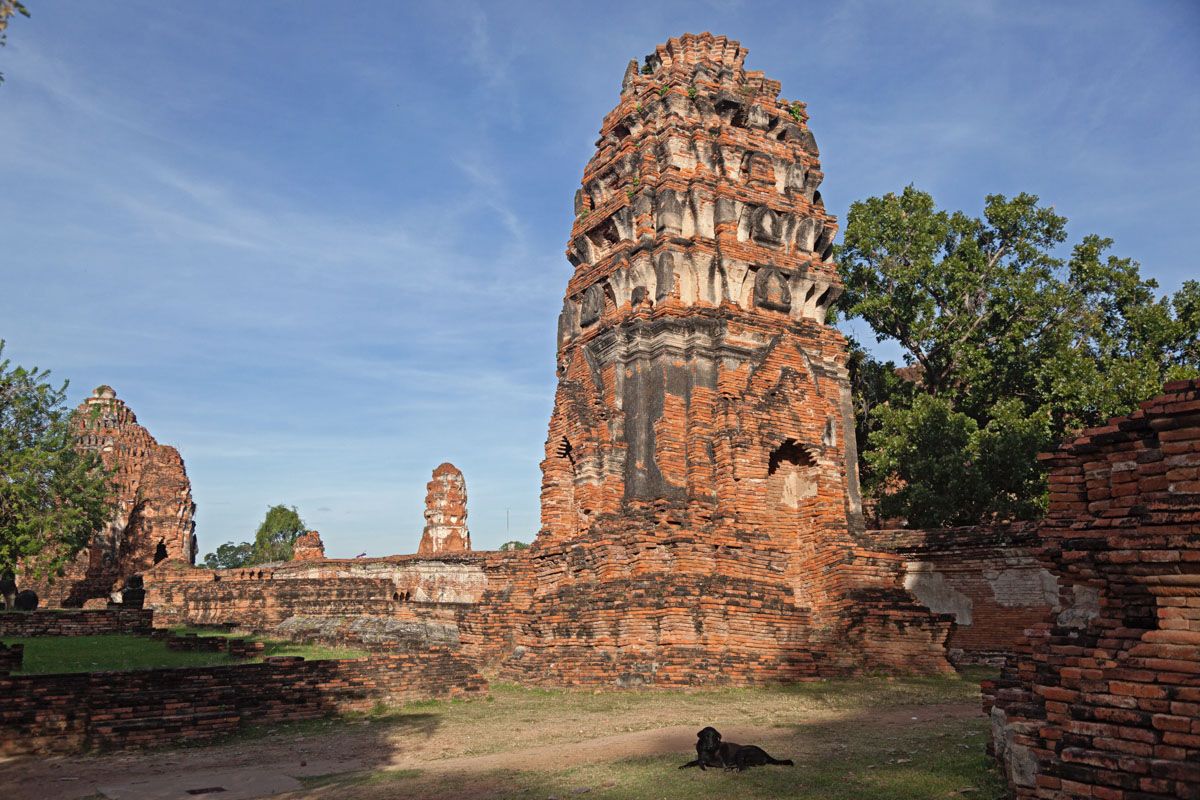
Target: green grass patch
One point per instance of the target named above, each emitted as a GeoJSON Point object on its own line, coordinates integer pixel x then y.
{"type": "Point", "coordinates": [848, 760]}
{"type": "Point", "coordinates": [122, 652]}
{"type": "Point", "coordinates": [50, 654]}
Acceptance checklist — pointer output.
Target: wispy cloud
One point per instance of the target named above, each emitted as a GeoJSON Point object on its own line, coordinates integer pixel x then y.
{"type": "Point", "coordinates": [320, 265]}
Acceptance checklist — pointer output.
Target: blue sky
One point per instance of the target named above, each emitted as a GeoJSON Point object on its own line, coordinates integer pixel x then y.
{"type": "Point", "coordinates": [318, 247]}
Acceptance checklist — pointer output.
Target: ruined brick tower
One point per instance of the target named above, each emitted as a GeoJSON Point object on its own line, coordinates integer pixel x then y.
{"type": "Point", "coordinates": [154, 505]}
{"type": "Point", "coordinates": [445, 513]}
{"type": "Point", "coordinates": [699, 486]}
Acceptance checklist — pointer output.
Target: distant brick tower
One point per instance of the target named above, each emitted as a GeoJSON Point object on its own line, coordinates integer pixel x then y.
{"type": "Point", "coordinates": [308, 547]}
{"type": "Point", "coordinates": [699, 486]}
{"type": "Point", "coordinates": [445, 513]}
{"type": "Point", "coordinates": [154, 514]}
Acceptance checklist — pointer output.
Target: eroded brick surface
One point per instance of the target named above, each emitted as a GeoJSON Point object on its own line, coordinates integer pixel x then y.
{"type": "Point", "coordinates": [700, 511]}
{"type": "Point", "coordinates": [154, 511]}
{"type": "Point", "coordinates": [76, 622]}
{"type": "Point", "coordinates": [308, 547]}
{"type": "Point", "coordinates": [445, 513]}
{"type": "Point", "coordinates": [988, 577]}
{"type": "Point", "coordinates": [1103, 700]}
{"type": "Point", "coordinates": [701, 521]}
{"type": "Point", "coordinates": [149, 708]}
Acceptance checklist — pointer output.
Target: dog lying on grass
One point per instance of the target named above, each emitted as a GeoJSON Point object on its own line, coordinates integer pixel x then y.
{"type": "Point", "coordinates": [712, 752]}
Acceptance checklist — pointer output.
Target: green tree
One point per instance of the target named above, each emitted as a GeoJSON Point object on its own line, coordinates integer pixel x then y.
{"type": "Point", "coordinates": [52, 496]}
{"type": "Point", "coordinates": [1018, 345]}
{"type": "Point", "coordinates": [275, 536]}
{"type": "Point", "coordinates": [514, 545]}
{"type": "Point", "coordinates": [230, 556]}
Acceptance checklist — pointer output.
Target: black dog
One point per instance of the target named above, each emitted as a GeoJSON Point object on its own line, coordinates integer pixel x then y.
{"type": "Point", "coordinates": [752, 756]}
{"type": "Point", "coordinates": [712, 752]}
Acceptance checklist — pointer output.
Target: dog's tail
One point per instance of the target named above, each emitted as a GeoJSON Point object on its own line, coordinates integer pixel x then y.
{"type": "Point", "coordinates": [782, 762]}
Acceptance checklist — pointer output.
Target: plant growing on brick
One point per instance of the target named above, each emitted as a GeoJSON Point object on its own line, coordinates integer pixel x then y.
{"type": "Point", "coordinates": [53, 497]}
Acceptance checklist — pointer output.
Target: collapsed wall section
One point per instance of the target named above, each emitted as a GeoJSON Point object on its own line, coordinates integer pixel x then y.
{"type": "Point", "coordinates": [988, 577]}
{"type": "Point", "coordinates": [1103, 699]}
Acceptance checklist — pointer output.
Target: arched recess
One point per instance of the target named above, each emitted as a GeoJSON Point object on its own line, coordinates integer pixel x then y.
{"type": "Point", "coordinates": [791, 476]}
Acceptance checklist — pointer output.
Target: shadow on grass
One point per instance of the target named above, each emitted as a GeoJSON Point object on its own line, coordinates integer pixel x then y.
{"type": "Point", "coordinates": [366, 742]}
{"type": "Point", "coordinates": [856, 758]}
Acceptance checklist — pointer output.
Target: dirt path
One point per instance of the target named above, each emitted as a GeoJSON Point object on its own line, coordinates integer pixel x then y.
{"type": "Point", "coordinates": [416, 742]}
{"type": "Point", "coordinates": [660, 741]}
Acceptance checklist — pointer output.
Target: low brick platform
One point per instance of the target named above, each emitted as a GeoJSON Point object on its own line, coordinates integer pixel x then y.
{"type": "Point", "coordinates": [1105, 702]}
{"type": "Point", "coordinates": [71, 713]}
{"type": "Point", "coordinates": [76, 622]}
{"type": "Point", "coordinates": [236, 648]}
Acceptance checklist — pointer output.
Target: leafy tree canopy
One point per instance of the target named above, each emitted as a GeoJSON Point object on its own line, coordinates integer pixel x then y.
{"type": "Point", "coordinates": [52, 497]}
{"type": "Point", "coordinates": [1008, 347]}
{"type": "Point", "coordinates": [275, 536]}
{"type": "Point", "coordinates": [514, 545]}
{"type": "Point", "coordinates": [230, 556]}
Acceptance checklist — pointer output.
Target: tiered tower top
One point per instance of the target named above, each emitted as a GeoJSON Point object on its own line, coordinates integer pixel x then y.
{"type": "Point", "coordinates": [702, 192]}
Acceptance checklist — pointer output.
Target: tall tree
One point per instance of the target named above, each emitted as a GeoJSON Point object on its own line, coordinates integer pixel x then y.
{"type": "Point", "coordinates": [275, 536]}
{"type": "Point", "coordinates": [52, 496]}
{"type": "Point", "coordinates": [1008, 347]}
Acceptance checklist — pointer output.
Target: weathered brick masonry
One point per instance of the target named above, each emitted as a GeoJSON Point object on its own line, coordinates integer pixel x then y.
{"type": "Point", "coordinates": [988, 577]}
{"type": "Point", "coordinates": [701, 519]}
{"type": "Point", "coordinates": [700, 510]}
{"type": "Point", "coordinates": [70, 713]}
{"type": "Point", "coordinates": [154, 506]}
{"type": "Point", "coordinates": [76, 622]}
{"type": "Point", "coordinates": [401, 602]}
{"type": "Point", "coordinates": [445, 513]}
{"type": "Point", "coordinates": [1105, 703]}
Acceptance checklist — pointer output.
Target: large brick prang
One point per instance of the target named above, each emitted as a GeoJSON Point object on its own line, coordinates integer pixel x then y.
{"type": "Point", "coordinates": [700, 506]}
{"type": "Point", "coordinates": [153, 520]}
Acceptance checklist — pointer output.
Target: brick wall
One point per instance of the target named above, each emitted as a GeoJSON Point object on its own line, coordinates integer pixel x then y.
{"type": "Point", "coordinates": [1103, 700]}
{"type": "Point", "coordinates": [259, 598]}
{"type": "Point", "coordinates": [71, 713]}
{"type": "Point", "coordinates": [988, 577]}
{"type": "Point", "coordinates": [71, 622]}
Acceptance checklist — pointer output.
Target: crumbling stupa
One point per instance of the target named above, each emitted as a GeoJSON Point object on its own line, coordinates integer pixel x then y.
{"type": "Point", "coordinates": [445, 513]}
{"type": "Point", "coordinates": [700, 502]}
{"type": "Point", "coordinates": [154, 507]}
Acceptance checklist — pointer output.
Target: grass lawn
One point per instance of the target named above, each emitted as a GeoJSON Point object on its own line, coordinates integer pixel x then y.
{"type": "Point", "coordinates": [48, 654]}
{"type": "Point", "coordinates": [854, 739]}
{"type": "Point", "coordinates": [928, 761]}
{"type": "Point", "coordinates": [870, 738]}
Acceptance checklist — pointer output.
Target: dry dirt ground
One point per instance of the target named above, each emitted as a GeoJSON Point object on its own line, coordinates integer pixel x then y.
{"type": "Point", "coordinates": [868, 738]}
